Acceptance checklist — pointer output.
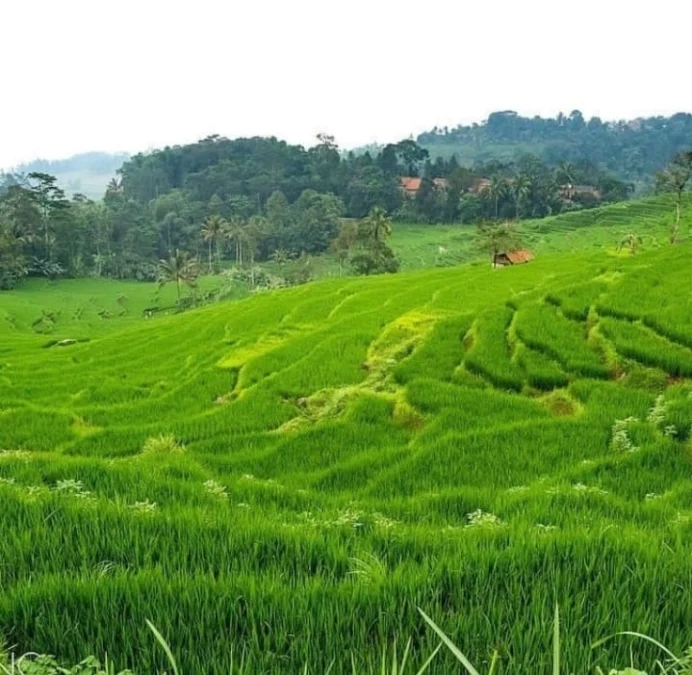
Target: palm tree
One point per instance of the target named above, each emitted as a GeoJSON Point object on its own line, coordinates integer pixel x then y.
{"type": "Point", "coordinates": [280, 256]}
{"type": "Point", "coordinates": [565, 172]}
{"type": "Point", "coordinates": [180, 269]}
{"type": "Point", "coordinates": [495, 190]}
{"type": "Point", "coordinates": [379, 225]}
{"type": "Point", "coordinates": [114, 187]}
{"type": "Point", "coordinates": [213, 233]}
{"type": "Point", "coordinates": [235, 233]}
{"type": "Point", "coordinates": [253, 233]}
{"type": "Point", "coordinates": [521, 188]}
{"type": "Point", "coordinates": [631, 241]}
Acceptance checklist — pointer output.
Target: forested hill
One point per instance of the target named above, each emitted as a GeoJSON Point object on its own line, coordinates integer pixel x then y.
{"type": "Point", "coordinates": [632, 150]}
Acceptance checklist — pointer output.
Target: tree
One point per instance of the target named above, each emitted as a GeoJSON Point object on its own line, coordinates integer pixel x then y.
{"type": "Point", "coordinates": [412, 155]}
{"type": "Point", "coordinates": [494, 238]}
{"type": "Point", "coordinates": [280, 256]}
{"type": "Point", "coordinates": [317, 218]}
{"type": "Point", "coordinates": [12, 263]}
{"type": "Point", "coordinates": [565, 172]}
{"type": "Point", "coordinates": [375, 259]}
{"type": "Point", "coordinates": [52, 205]}
{"type": "Point", "coordinates": [341, 245]}
{"type": "Point", "coordinates": [371, 254]}
{"type": "Point", "coordinates": [495, 190]}
{"type": "Point", "coordinates": [235, 233]}
{"type": "Point", "coordinates": [379, 225]}
{"type": "Point", "coordinates": [675, 179]}
{"type": "Point", "coordinates": [179, 269]}
{"type": "Point", "coordinates": [213, 232]}
{"type": "Point", "coordinates": [521, 189]}
{"type": "Point", "coordinates": [253, 234]}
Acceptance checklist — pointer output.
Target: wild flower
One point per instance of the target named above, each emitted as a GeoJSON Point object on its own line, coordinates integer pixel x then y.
{"type": "Point", "coordinates": [670, 431]}
{"type": "Point", "coordinates": [35, 490]}
{"type": "Point", "coordinates": [621, 441]}
{"type": "Point", "coordinates": [164, 444]}
{"type": "Point", "coordinates": [383, 521]}
{"type": "Point", "coordinates": [651, 496]}
{"type": "Point", "coordinates": [658, 413]}
{"type": "Point", "coordinates": [72, 487]}
{"type": "Point", "coordinates": [349, 517]}
{"type": "Point", "coordinates": [480, 518]}
{"type": "Point", "coordinates": [216, 489]}
{"type": "Point", "coordinates": [144, 506]}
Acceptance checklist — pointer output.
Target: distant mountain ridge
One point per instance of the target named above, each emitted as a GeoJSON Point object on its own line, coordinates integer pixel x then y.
{"type": "Point", "coordinates": [633, 150]}
{"type": "Point", "coordinates": [86, 173]}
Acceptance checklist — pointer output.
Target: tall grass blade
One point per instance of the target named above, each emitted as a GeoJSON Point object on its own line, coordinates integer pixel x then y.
{"type": "Point", "coordinates": [556, 641]}
{"type": "Point", "coordinates": [429, 660]}
{"type": "Point", "coordinates": [637, 635]}
{"type": "Point", "coordinates": [450, 645]}
{"type": "Point", "coordinates": [162, 641]}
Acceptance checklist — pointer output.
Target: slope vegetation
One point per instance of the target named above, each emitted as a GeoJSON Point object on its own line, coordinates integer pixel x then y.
{"type": "Point", "coordinates": [289, 476]}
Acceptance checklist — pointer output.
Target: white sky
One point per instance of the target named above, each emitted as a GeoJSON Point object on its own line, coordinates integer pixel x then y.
{"type": "Point", "coordinates": [80, 75]}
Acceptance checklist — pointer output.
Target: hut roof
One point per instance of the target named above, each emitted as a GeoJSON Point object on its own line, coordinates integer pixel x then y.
{"type": "Point", "coordinates": [520, 256]}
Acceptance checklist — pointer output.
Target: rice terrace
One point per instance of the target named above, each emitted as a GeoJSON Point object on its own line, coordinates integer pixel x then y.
{"type": "Point", "coordinates": [291, 475]}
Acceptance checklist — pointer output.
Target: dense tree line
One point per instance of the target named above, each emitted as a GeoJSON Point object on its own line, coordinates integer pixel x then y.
{"type": "Point", "coordinates": [632, 150]}
{"type": "Point", "coordinates": [239, 201]}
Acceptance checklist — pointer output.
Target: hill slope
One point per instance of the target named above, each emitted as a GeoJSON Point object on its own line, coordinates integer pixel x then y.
{"type": "Point", "coordinates": [291, 475]}
{"type": "Point", "coordinates": [632, 150]}
{"type": "Point", "coordinates": [420, 245]}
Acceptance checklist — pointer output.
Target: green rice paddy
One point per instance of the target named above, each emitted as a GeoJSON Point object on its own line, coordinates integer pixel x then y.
{"type": "Point", "coordinates": [286, 478]}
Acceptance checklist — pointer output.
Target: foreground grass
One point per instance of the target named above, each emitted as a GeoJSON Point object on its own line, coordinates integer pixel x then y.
{"type": "Point", "coordinates": [290, 476]}
{"type": "Point", "coordinates": [393, 662]}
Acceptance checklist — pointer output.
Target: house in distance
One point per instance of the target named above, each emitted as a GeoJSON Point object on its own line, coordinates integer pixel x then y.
{"type": "Point", "coordinates": [505, 259]}
{"type": "Point", "coordinates": [411, 184]}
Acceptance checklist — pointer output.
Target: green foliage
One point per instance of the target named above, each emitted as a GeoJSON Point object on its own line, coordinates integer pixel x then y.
{"type": "Point", "coordinates": [632, 150]}
{"type": "Point", "coordinates": [241, 200]}
{"type": "Point", "coordinates": [366, 244]}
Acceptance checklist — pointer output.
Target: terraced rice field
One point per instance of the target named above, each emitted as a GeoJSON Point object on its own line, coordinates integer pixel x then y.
{"type": "Point", "coordinates": [288, 477]}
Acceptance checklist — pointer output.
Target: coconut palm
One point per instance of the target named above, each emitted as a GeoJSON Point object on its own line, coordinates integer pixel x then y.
{"type": "Point", "coordinates": [566, 172]}
{"type": "Point", "coordinates": [114, 187]}
{"type": "Point", "coordinates": [495, 190]}
{"type": "Point", "coordinates": [521, 188]}
{"type": "Point", "coordinates": [280, 256]}
{"type": "Point", "coordinates": [631, 241]}
{"type": "Point", "coordinates": [235, 233]}
{"type": "Point", "coordinates": [253, 233]}
{"type": "Point", "coordinates": [179, 269]}
{"type": "Point", "coordinates": [213, 232]}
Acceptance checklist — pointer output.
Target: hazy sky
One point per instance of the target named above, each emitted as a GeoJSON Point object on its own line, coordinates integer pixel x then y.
{"type": "Point", "coordinates": [82, 75]}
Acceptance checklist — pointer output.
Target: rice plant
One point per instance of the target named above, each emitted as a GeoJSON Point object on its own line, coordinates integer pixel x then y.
{"type": "Point", "coordinates": [280, 482]}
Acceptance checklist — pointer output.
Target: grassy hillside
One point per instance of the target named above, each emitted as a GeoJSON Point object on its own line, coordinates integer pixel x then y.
{"type": "Point", "coordinates": [287, 477]}
{"type": "Point", "coordinates": [593, 229]}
